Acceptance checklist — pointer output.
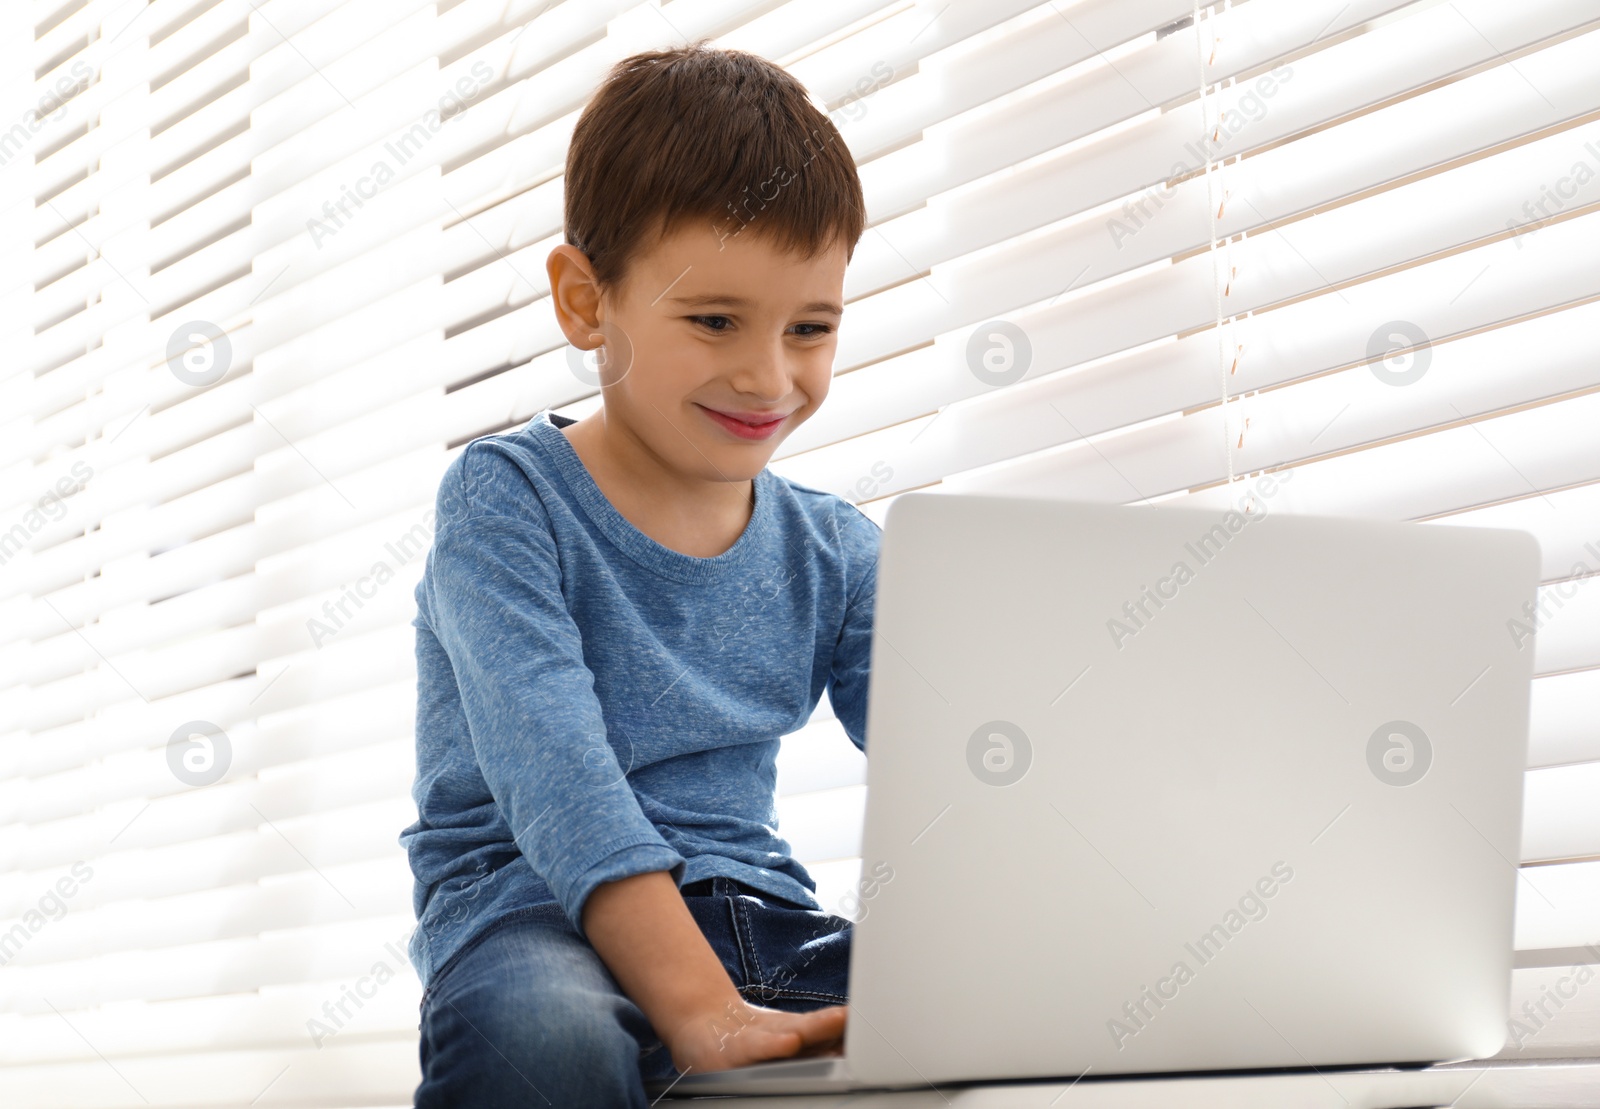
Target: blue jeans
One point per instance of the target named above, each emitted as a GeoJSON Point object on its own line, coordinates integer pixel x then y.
{"type": "Point", "coordinates": [526, 1014]}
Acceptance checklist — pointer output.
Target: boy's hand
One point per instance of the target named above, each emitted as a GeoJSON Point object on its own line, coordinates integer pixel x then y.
{"type": "Point", "coordinates": [648, 939]}
{"type": "Point", "coordinates": [742, 1033]}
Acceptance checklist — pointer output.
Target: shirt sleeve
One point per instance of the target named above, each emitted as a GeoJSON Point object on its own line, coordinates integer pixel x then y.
{"type": "Point", "coordinates": [850, 675]}
{"type": "Point", "coordinates": [496, 606]}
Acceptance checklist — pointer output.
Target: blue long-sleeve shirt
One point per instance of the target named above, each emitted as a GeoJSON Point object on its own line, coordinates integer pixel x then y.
{"type": "Point", "coordinates": [592, 704]}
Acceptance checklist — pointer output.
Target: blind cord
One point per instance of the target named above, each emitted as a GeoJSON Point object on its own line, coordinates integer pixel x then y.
{"type": "Point", "coordinates": [1208, 134]}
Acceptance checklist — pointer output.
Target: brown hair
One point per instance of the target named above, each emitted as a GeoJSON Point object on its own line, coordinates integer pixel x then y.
{"type": "Point", "coordinates": [698, 132]}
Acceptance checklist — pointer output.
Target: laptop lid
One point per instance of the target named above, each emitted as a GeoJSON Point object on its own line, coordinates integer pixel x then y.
{"type": "Point", "coordinates": [1164, 788]}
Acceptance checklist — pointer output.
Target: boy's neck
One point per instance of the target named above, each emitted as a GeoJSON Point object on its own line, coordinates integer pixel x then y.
{"type": "Point", "coordinates": [684, 513]}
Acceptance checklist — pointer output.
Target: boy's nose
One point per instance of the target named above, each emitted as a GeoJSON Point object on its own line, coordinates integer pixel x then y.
{"type": "Point", "coordinates": [763, 373]}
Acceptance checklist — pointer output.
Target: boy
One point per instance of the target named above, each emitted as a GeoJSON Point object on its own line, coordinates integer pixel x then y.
{"type": "Point", "coordinates": [621, 615]}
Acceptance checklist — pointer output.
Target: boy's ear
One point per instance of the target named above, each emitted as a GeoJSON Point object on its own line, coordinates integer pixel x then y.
{"type": "Point", "coordinates": [574, 296]}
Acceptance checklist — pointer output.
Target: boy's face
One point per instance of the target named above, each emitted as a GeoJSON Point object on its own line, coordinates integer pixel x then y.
{"type": "Point", "coordinates": [703, 331]}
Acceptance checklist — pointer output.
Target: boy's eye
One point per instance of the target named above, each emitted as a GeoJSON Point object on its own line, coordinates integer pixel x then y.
{"type": "Point", "coordinates": [820, 329]}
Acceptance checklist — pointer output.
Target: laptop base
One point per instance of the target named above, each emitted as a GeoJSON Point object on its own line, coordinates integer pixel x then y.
{"type": "Point", "coordinates": [1400, 1086]}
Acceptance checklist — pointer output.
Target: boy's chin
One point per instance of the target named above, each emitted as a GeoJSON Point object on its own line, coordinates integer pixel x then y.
{"type": "Point", "coordinates": [738, 463]}
{"type": "Point", "coordinates": [744, 466]}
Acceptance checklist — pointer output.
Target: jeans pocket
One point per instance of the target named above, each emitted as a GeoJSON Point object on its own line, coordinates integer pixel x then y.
{"type": "Point", "coordinates": [795, 957]}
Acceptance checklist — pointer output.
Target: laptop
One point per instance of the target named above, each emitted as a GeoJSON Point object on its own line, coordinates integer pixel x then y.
{"type": "Point", "coordinates": [1171, 791]}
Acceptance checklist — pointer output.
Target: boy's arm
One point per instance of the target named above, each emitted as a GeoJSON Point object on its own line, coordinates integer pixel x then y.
{"type": "Point", "coordinates": [850, 674]}
{"type": "Point", "coordinates": [493, 594]}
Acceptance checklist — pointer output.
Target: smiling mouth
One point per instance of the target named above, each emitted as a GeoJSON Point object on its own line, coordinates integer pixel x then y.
{"type": "Point", "coordinates": [741, 426]}
{"type": "Point", "coordinates": [747, 421]}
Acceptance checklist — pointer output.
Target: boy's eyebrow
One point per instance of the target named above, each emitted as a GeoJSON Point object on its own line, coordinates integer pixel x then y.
{"type": "Point", "coordinates": [701, 301]}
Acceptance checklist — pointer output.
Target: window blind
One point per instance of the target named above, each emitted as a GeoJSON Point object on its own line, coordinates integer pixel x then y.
{"type": "Point", "coordinates": [265, 267]}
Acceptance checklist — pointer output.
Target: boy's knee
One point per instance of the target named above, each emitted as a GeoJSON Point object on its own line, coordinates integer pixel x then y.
{"type": "Point", "coordinates": [566, 1045]}
{"type": "Point", "coordinates": [572, 1025]}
